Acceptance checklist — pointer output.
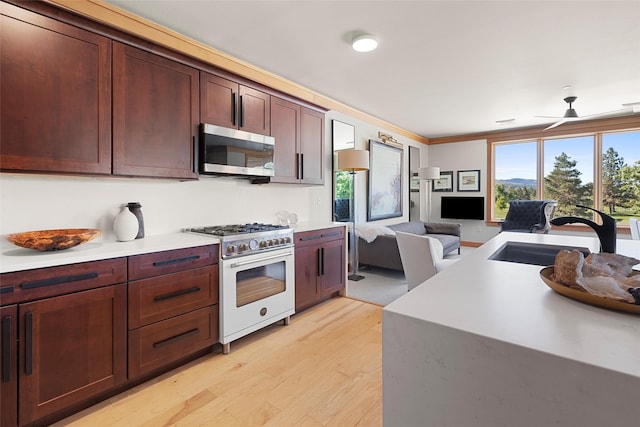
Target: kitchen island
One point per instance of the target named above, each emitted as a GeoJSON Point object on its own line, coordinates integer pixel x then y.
{"type": "Point", "coordinates": [487, 343]}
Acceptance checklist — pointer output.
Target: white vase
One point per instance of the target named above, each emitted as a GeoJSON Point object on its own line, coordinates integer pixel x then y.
{"type": "Point", "coordinates": [125, 225]}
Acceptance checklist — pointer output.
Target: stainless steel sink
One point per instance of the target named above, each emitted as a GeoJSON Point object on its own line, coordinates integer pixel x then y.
{"type": "Point", "coordinates": [531, 253]}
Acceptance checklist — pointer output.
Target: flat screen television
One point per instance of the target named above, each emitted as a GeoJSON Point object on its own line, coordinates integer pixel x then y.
{"type": "Point", "coordinates": [462, 207]}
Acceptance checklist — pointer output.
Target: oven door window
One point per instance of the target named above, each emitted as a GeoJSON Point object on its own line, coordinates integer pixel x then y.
{"type": "Point", "coordinates": [260, 282]}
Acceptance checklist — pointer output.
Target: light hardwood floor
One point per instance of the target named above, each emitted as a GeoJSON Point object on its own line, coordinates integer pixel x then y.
{"type": "Point", "coordinates": [324, 369]}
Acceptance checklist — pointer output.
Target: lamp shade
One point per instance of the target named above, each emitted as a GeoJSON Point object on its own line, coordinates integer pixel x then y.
{"type": "Point", "coordinates": [430, 173]}
{"type": "Point", "coordinates": [353, 160]}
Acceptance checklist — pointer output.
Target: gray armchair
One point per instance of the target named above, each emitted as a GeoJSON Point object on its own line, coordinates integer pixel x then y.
{"type": "Point", "coordinates": [529, 216]}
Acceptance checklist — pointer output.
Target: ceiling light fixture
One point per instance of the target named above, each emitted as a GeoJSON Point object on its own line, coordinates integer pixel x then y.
{"type": "Point", "coordinates": [364, 43]}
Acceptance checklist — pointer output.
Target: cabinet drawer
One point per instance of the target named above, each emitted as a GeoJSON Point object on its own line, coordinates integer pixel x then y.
{"type": "Point", "coordinates": [52, 281]}
{"type": "Point", "coordinates": [158, 298]}
{"type": "Point", "coordinates": [157, 263]}
{"type": "Point", "coordinates": [152, 347]}
{"type": "Point", "coordinates": [318, 236]}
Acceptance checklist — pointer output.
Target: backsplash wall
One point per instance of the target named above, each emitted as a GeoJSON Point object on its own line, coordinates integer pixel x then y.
{"type": "Point", "coordinates": [32, 202]}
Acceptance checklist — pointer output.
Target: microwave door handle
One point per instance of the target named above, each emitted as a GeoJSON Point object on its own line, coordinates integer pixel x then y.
{"type": "Point", "coordinates": [266, 258]}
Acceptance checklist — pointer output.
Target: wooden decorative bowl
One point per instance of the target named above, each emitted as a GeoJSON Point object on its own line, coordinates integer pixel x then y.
{"type": "Point", "coordinates": [53, 240]}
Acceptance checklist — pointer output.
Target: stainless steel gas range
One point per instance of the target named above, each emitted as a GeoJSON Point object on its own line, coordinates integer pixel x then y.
{"type": "Point", "coordinates": [256, 277]}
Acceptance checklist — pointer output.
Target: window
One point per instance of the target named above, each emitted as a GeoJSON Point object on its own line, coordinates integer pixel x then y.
{"type": "Point", "coordinates": [599, 170]}
{"type": "Point", "coordinates": [515, 174]}
{"type": "Point", "coordinates": [568, 174]}
{"type": "Point", "coordinates": [621, 175]}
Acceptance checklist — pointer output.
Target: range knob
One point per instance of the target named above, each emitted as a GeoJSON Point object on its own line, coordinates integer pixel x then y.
{"type": "Point", "coordinates": [231, 249]}
{"type": "Point", "coordinates": [270, 242]}
{"type": "Point", "coordinates": [287, 240]}
{"type": "Point", "coordinates": [263, 244]}
{"type": "Point", "coordinates": [242, 247]}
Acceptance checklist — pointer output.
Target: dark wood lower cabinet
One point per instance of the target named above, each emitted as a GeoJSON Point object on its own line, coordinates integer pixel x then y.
{"type": "Point", "coordinates": [72, 335]}
{"type": "Point", "coordinates": [8, 366]}
{"type": "Point", "coordinates": [154, 346]}
{"type": "Point", "coordinates": [320, 265]}
{"type": "Point", "coordinates": [72, 347]}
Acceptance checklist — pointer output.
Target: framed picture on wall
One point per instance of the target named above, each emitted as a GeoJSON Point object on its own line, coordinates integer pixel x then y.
{"type": "Point", "coordinates": [444, 183]}
{"type": "Point", "coordinates": [469, 180]}
{"type": "Point", "coordinates": [385, 181]}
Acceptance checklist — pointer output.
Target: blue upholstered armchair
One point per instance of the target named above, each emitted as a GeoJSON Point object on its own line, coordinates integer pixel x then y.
{"type": "Point", "coordinates": [529, 216]}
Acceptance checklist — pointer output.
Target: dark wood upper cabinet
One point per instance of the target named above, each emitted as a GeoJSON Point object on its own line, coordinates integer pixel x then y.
{"type": "Point", "coordinates": [55, 107]}
{"type": "Point", "coordinates": [227, 103]}
{"type": "Point", "coordinates": [285, 128]}
{"type": "Point", "coordinates": [299, 135]}
{"type": "Point", "coordinates": [155, 115]}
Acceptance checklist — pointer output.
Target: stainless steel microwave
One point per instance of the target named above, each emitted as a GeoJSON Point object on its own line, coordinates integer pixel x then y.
{"type": "Point", "coordinates": [235, 152]}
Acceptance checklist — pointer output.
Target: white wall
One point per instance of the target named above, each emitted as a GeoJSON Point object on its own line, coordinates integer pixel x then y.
{"type": "Point", "coordinates": [467, 155]}
{"type": "Point", "coordinates": [34, 202]}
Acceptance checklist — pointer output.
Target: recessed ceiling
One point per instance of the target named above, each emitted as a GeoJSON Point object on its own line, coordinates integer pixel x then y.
{"type": "Point", "coordinates": [441, 67]}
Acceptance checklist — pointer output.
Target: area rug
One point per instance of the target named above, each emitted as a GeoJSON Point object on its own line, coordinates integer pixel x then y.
{"type": "Point", "coordinates": [379, 286]}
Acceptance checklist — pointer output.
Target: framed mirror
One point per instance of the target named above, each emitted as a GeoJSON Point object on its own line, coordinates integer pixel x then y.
{"type": "Point", "coordinates": [343, 138]}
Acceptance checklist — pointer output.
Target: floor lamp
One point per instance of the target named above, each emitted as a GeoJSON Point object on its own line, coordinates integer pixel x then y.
{"type": "Point", "coordinates": [353, 161]}
{"type": "Point", "coordinates": [429, 174]}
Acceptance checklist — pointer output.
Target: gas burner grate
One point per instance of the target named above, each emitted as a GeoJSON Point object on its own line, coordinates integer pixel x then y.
{"type": "Point", "coordinates": [229, 230]}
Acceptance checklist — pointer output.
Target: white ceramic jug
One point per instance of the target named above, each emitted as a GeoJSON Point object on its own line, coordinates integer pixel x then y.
{"type": "Point", "coordinates": [125, 225]}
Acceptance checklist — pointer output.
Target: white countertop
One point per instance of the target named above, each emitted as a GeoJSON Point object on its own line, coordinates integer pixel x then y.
{"type": "Point", "coordinates": [15, 258]}
{"type": "Point", "coordinates": [509, 302]}
{"type": "Point", "coordinates": [314, 225]}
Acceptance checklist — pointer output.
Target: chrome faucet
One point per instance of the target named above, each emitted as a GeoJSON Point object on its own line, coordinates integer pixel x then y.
{"type": "Point", "coordinates": [606, 232]}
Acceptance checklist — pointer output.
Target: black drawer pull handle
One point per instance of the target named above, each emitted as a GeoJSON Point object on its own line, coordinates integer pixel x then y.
{"type": "Point", "coordinates": [58, 280]}
{"type": "Point", "coordinates": [335, 233]}
{"type": "Point", "coordinates": [175, 261]}
{"type": "Point", "coordinates": [317, 236]}
{"type": "Point", "coordinates": [28, 344]}
{"type": "Point", "coordinates": [175, 338]}
{"type": "Point", "coordinates": [6, 349]}
{"type": "Point", "coordinates": [176, 294]}
{"type": "Point", "coordinates": [6, 290]}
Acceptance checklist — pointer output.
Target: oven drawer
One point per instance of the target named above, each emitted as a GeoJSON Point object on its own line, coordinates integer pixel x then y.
{"type": "Point", "coordinates": [165, 262]}
{"type": "Point", "coordinates": [158, 298]}
{"type": "Point", "coordinates": [152, 347]}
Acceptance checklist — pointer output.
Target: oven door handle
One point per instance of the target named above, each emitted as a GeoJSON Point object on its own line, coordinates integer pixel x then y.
{"type": "Point", "coordinates": [266, 258]}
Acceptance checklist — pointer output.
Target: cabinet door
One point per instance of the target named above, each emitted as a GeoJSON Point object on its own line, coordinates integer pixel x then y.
{"type": "Point", "coordinates": [334, 268]}
{"type": "Point", "coordinates": [311, 146]}
{"type": "Point", "coordinates": [8, 366]}
{"type": "Point", "coordinates": [155, 115]}
{"type": "Point", "coordinates": [218, 101]}
{"type": "Point", "coordinates": [55, 107]}
{"type": "Point", "coordinates": [255, 111]}
{"type": "Point", "coordinates": [72, 347]}
{"type": "Point", "coordinates": [285, 128]}
{"type": "Point", "coordinates": [306, 265]}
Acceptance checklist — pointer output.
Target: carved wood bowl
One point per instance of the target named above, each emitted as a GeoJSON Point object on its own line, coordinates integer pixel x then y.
{"type": "Point", "coordinates": [53, 240]}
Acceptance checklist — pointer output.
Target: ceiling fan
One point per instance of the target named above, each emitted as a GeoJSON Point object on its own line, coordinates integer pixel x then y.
{"type": "Point", "coordinates": [571, 114]}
